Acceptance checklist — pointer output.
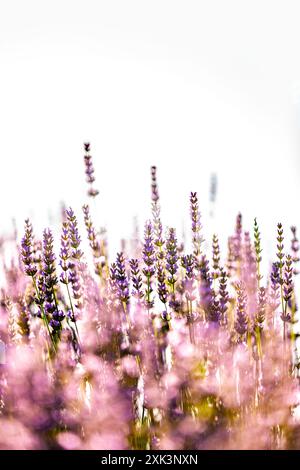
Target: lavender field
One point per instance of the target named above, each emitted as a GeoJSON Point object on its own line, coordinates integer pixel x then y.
{"type": "Point", "coordinates": [164, 347]}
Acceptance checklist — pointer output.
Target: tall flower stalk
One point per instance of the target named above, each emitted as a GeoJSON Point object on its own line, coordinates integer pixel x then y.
{"type": "Point", "coordinates": [149, 259]}
{"type": "Point", "coordinates": [54, 315]}
{"type": "Point", "coordinates": [241, 322]}
{"type": "Point", "coordinates": [66, 275]}
{"type": "Point", "coordinates": [258, 251]}
{"type": "Point", "coordinates": [280, 255]}
{"type": "Point", "coordinates": [31, 270]}
{"type": "Point", "coordinates": [89, 171]}
{"type": "Point", "coordinates": [188, 263]}
{"type": "Point", "coordinates": [197, 238]}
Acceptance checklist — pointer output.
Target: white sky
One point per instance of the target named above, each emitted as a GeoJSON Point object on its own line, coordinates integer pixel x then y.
{"type": "Point", "coordinates": [192, 86]}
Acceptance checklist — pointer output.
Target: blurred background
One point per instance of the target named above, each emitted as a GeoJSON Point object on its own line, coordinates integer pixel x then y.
{"type": "Point", "coordinates": [194, 87]}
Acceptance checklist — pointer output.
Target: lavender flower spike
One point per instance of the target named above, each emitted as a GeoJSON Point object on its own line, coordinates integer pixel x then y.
{"type": "Point", "coordinates": [172, 258]}
{"type": "Point", "coordinates": [65, 253]}
{"type": "Point", "coordinates": [241, 323]}
{"type": "Point", "coordinates": [295, 249]}
{"type": "Point", "coordinates": [122, 280]}
{"type": "Point", "coordinates": [149, 259]}
{"type": "Point", "coordinates": [136, 279]}
{"type": "Point", "coordinates": [196, 225]}
{"type": "Point", "coordinates": [157, 225]}
{"type": "Point", "coordinates": [161, 283]}
{"type": "Point", "coordinates": [89, 171]}
{"type": "Point", "coordinates": [50, 283]}
{"type": "Point", "coordinates": [27, 250]}
{"type": "Point", "coordinates": [74, 237]}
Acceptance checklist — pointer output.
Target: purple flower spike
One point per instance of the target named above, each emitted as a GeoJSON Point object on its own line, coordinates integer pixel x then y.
{"type": "Point", "coordinates": [288, 285]}
{"type": "Point", "coordinates": [196, 225]}
{"type": "Point", "coordinates": [27, 244]}
{"type": "Point", "coordinates": [149, 259]}
{"type": "Point", "coordinates": [224, 296]}
{"type": "Point", "coordinates": [136, 278]}
{"type": "Point", "coordinates": [154, 187]}
{"type": "Point", "coordinates": [295, 249]}
{"type": "Point", "coordinates": [205, 289]}
{"type": "Point", "coordinates": [188, 263]}
{"type": "Point", "coordinates": [237, 238]}
{"type": "Point", "coordinates": [121, 279]}
{"type": "Point", "coordinates": [261, 308]}
{"type": "Point", "coordinates": [89, 171]}
{"type": "Point", "coordinates": [280, 246]}
{"type": "Point", "coordinates": [49, 270]}
{"type": "Point", "coordinates": [241, 323]}
{"type": "Point", "coordinates": [216, 256]}
{"type": "Point", "coordinates": [65, 253]}
{"type": "Point", "coordinates": [161, 284]}
{"type": "Point", "coordinates": [157, 225]}
{"type": "Point", "coordinates": [172, 258]}
{"type": "Point", "coordinates": [74, 237]}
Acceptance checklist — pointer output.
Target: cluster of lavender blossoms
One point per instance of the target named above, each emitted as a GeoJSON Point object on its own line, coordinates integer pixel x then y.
{"type": "Point", "coordinates": [172, 345]}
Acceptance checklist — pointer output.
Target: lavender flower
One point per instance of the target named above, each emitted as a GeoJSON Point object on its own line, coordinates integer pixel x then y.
{"type": "Point", "coordinates": [258, 250]}
{"type": "Point", "coordinates": [161, 283]}
{"type": "Point", "coordinates": [241, 323]}
{"type": "Point", "coordinates": [214, 310]}
{"type": "Point", "coordinates": [27, 250]}
{"type": "Point", "coordinates": [280, 247]}
{"type": "Point", "coordinates": [23, 320]}
{"type": "Point", "coordinates": [213, 192]}
{"type": "Point", "coordinates": [149, 259]}
{"type": "Point", "coordinates": [65, 253]}
{"type": "Point", "coordinates": [275, 287]}
{"type": "Point", "coordinates": [154, 187]}
{"type": "Point", "coordinates": [157, 225]}
{"type": "Point", "coordinates": [50, 283]}
{"type": "Point", "coordinates": [75, 266]}
{"type": "Point", "coordinates": [49, 269]}
{"type": "Point", "coordinates": [172, 258]}
{"type": "Point", "coordinates": [261, 309]}
{"type": "Point", "coordinates": [196, 225]}
{"type": "Point", "coordinates": [113, 280]}
{"type": "Point", "coordinates": [74, 237]}
{"type": "Point", "coordinates": [206, 291]}
{"type": "Point", "coordinates": [121, 279]}
{"type": "Point", "coordinates": [89, 171]}
{"type": "Point", "coordinates": [136, 278]}
{"type": "Point", "coordinates": [287, 288]}
{"type": "Point", "coordinates": [216, 256]}
{"type": "Point", "coordinates": [237, 239]}
{"type": "Point", "coordinates": [75, 281]}
{"type": "Point", "coordinates": [224, 297]}
{"type": "Point", "coordinates": [295, 249]}
{"type": "Point", "coordinates": [188, 263]}
{"type": "Point", "coordinates": [288, 285]}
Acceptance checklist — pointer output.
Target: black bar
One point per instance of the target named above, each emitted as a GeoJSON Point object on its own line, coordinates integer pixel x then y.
{"type": "Point", "coordinates": [134, 459]}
